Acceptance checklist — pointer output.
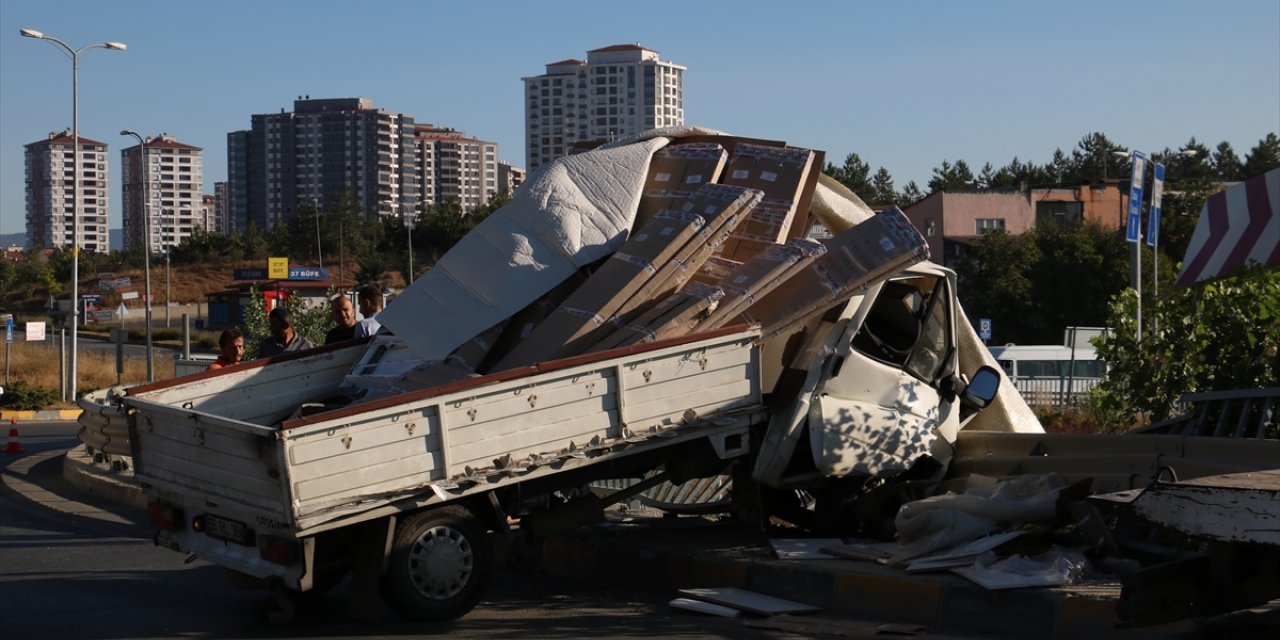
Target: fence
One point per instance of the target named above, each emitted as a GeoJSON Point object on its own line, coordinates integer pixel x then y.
{"type": "Point", "coordinates": [1055, 392]}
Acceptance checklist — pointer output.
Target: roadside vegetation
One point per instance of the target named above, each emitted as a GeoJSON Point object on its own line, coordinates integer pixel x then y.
{"type": "Point", "coordinates": [33, 374]}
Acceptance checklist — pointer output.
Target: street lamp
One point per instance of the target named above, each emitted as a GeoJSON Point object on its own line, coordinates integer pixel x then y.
{"type": "Point", "coordinates": [75, 184]}
{"type": "Point", "coordinates": [146, 243]}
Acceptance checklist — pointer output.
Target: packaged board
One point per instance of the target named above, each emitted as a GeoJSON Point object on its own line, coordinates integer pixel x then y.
{"type": "Point", "coordinates": [872, 250]}
{"type": "Point", "coordinates": [755, 278]}
{"type": "Point", "coordinates": [677, 314]}
{"type": "Point", "coordinates": [630, 272]}
{"type": "Point", "coordinates": [786, 175]}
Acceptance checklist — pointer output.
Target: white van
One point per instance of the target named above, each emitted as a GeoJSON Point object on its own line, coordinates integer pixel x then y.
{"type": "Point", "coordinates": [1049, 375]}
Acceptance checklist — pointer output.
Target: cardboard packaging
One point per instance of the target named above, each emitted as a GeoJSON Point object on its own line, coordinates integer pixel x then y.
{"type": "Point", "coordinates": [714, 270]}
{"type": "Point", "coordinates": [675, 173]}
{"type": "Point", "coordinates": [644, 269]}
{"type": "Point", "coordinates": [723, 208]}
{"type": "Point", "coordinates": [871, 251]}
{"type": "Point", "coordinates": [677, 314]}
{"type": "Point", "coordinates": [685, 167]}
{"type": "Point", "coordinates": [787, 177]}
{"type": "Point", "coordinates": [764, 272]}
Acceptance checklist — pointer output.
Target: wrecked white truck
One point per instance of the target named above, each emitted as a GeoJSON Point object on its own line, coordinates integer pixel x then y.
{"type": "Point", "coordinates": [656, 309]}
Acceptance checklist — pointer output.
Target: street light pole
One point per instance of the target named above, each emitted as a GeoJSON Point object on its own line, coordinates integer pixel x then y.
{"type": "Point", "coordinates": [146, 242]}
{"type": "Point", "coordinates": [75, 186]}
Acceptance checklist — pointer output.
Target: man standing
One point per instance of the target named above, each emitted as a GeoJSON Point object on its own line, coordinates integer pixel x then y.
{"type": "Point", "coordinates": [283, 338]}
{"type": "Point", "coordinates": [231, 345]}
{"type": "Point", "coordinates": [370, 299]}
{"type": "Point", "coordinates": [344, 320]}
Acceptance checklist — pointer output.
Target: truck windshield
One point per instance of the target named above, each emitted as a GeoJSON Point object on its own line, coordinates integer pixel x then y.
{"type": "Point", "coordinates": [908, 326]}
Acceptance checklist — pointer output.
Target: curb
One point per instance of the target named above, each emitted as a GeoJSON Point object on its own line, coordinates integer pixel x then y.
{"type": "Point", "coordinates": [67, 415]}
{"type": "Point", "coordinates": [657, 560]}
{"type": "Point", "coordinates": [85, 475]}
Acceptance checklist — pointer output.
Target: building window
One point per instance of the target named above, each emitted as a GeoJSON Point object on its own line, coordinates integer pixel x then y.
{"type": "Point", "coordinates": [930, 228]}
{"type": "Point", "coordinates": [987, 224]}
{"type": "Point", "coordinates": [1065, 212]}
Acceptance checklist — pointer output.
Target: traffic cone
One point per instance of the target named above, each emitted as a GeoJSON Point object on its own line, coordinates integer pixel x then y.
{"type": "Point", "coordinates": [13, 446]}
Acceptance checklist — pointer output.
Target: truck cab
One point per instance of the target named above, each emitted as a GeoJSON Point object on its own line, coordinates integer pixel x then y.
{"type": "Point", "coordinates": [881, 390]}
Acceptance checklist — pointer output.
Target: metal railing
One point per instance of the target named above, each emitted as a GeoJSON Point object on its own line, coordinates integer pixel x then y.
{"type": "Point", "coordinates": [1055, 392]}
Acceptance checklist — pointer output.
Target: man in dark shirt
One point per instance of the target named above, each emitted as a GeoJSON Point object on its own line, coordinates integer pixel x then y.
{"type": "Point", "coordinates": [344, 320]}
{"type": "Point", "coordinates": [283, 338]}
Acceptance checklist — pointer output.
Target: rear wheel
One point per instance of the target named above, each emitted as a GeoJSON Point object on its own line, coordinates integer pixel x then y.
{"type": "Point", "coordinates": [439, 565]}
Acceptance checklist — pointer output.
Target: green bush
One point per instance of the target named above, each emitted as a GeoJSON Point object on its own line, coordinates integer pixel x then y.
{"type": "Point", "coordinates": [21, 396]}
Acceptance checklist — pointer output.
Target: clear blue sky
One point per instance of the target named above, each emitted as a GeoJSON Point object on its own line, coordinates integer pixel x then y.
{"type": "Point", "coordinates": [905, 85]}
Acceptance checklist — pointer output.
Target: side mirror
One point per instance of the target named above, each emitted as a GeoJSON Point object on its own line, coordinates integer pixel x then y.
{"type": "Point", "coordinates": [982, 389]}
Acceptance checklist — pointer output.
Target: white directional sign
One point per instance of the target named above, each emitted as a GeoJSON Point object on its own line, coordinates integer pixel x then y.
{"type": "Point", "coordinates": [1153, 218]}
{"type": "Point", "coordinates": [35, 332]}
{"type": "Point", "coordinates": [1133, 230]}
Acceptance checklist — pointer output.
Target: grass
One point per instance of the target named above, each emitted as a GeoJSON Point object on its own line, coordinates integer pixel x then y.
{"type": "Point", "coordinates": [37, 365]}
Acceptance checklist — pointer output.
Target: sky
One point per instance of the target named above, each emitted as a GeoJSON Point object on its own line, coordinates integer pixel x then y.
{"type": "Point", "coordinates": [905, 85]}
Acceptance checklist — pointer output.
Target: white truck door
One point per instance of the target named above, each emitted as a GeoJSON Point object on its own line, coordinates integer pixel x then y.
{"type": "Point", "coordinates": [879, 408]}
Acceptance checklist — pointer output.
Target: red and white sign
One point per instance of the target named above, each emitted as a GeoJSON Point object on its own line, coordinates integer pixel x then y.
{"type": "Point", "coordinates": [1237, 226]}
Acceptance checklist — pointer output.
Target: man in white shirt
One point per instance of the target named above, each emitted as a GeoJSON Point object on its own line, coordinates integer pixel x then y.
{"type": "Point", "coordinates": [369, 298]}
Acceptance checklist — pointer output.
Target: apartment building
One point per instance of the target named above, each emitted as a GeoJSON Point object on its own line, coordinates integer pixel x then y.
{"type": "Point", "coordinates": [950, 221]}
{"type": "Point", "coordinates": [509, 178]}
{"type": "Point", "coordinates": [616, 92]}
{"type": "Point", "coordinates": [220, 208]}
{"type": "Point", "coordinates": [454, 166]}
{"type": "Point", "coordinates": [315, 153]}
{"type": "Point", "coordinates": [51, 194]}
{"type": "Point", "coordinates": [166, 185]}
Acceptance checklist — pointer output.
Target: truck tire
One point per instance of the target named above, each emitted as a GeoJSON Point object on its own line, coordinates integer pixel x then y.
{"type": "Point", "coordinates": [439, 564]}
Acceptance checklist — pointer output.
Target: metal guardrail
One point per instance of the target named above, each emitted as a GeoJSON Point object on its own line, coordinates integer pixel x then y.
{"type": "Point", "coordinates": [1236, 413]}
{"type": "Point", "coordinates": [103, 428]}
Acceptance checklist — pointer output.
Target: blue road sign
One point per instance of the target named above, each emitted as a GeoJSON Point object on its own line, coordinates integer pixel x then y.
{"type": "Point", "coordinates": [1133, 230]}
{"type": "Point", "coordinates": [984, 328]}
{"type": "Point", "coordinates": [1153, 218]}
{"type": "Point", "coordinates": [8, 329]}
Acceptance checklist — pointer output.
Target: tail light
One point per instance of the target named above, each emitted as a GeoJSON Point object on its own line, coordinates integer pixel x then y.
{"type": "Point", "coordinates": [164, 516]}
{"type": "Point", "coordinates": [278, 550]}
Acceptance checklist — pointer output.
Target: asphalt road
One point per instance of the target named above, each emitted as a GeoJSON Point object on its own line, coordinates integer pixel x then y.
{"type": "Point", "coordinates": [75, 567]}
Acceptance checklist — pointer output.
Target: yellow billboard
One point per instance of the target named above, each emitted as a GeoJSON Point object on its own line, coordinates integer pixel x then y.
{"type": "Point", "coordinates": [278, 268]}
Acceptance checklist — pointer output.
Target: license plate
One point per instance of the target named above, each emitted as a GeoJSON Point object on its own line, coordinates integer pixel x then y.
{"type": "Point", "coordinates": [225, 529]}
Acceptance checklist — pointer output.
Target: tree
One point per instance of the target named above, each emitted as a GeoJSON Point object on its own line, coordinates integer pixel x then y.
{"type": "Point", "coordinates": [1092, 157]}
{"type": "Point", "coordinates": [882, 191]}
{"type": "Point", "coordinates": [311, 322]}
{"type": "Point", "coordinates": [1034, 285]}
{"type": "Point", "coordinates": [855, 174]}
{"type": "Point", "coordinates": [910, 194]}
{"type": "Point", "coordinates": [952, 178]}
{"type": "Point", "coordinates": [995, 281]}
{"type": "Point", "coordinates": [1227, 164]}
{"type": "Point", "coordinates": [1213, 336]}
{"type": "Point", "coordinates": [1263, 157]}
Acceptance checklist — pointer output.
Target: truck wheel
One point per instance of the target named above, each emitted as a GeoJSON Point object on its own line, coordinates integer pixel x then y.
{"type": "Point", "coordinates": [439, 564]}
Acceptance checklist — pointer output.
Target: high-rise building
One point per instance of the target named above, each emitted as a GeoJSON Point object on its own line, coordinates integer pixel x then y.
{"type": "Point", "coordinates": [456, 167]}
{"type": "Point", "coordinates": [51, 194]}
{"type": "Point", "coordinates": [618, 91]}
{"type": "Point", "coordinates": [509, 178]}
{"type": "Point", "coordinates": [174, 194]}
{"type": "Point", "coordinates": [220, 207]}
{"type": "Point", "coordinates": [314, 154]}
